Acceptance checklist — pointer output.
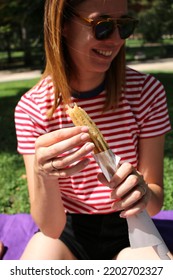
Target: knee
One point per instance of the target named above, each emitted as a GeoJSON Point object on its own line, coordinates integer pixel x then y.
{"type": "Point", "coordinates": [1, 249]}
{"type": "Point", "coordinates": [124, 254]}
{"type": "Point", "coordinates": [146, 253]}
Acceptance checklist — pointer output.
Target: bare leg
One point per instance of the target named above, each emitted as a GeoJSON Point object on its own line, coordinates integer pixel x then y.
{"type": "Point", "coordinates": [1, 249]}
{"type": "Point", "coordinates": [41, 247]}
{"type": "Point", "coordinates": [147, 253]}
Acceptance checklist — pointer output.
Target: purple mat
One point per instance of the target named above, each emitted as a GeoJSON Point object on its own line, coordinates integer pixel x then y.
{"type": "Point", "coordinates": [17, 229]}
{"type": "Point", "coordinates": [15, 232]}
{"type": "Point", "coordinates": [164, 223]}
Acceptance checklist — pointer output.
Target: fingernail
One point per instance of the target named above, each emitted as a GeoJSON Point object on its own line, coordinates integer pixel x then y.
{"type": "Point", "coordinates": [122, 215]}
{"type": "Point", "coordinates": [84, 128]}
{"type": "Point", "coordinates": [89, 146]}
{"type": "Point", "coordinates": [84, 136]}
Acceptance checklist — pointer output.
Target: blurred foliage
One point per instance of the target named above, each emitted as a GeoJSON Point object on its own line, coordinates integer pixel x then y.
{"type": "Point", "coordinates": [156, 20]}
{"type": "Point", "coordinates": [21, 27]}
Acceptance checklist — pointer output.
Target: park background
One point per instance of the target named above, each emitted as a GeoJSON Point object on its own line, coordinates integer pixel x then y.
{"type": "Point", "coordinates": [22, 49]}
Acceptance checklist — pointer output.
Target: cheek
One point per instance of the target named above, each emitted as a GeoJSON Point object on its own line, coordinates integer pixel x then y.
{"type": "Point", "coordinates": [80, 43]}
{"type": "Point", "coordinates": [81, 37]}
{"type": "Point", "coordinates": [77, 35]}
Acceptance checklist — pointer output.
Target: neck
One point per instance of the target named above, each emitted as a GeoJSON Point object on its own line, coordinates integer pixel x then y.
{"type": "Point", "coordinates": [88, 83]}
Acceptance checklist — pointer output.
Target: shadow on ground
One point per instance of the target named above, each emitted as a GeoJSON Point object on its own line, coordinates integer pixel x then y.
{"type": "Point", "coordinates": [8, 141]}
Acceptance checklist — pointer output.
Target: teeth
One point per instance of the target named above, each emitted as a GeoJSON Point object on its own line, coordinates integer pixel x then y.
{"type": "Point", "coordinates": [105, 53]}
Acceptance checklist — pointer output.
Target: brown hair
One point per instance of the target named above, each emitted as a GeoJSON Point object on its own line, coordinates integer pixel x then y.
{"type": "Point", "coordinates": [58, 62]}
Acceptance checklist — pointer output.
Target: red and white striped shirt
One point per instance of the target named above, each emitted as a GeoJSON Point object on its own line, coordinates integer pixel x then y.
{"type": "Point", "coordinates": [142, 113]}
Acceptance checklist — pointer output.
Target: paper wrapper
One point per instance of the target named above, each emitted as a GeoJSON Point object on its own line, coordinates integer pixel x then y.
{"type": "Point", "coordinates": [142, 231]}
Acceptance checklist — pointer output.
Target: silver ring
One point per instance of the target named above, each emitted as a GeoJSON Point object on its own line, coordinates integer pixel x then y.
{"type": "Point", "coordinates": [143, 190]}
{"type": "Point", "coordinates": [53, 167]}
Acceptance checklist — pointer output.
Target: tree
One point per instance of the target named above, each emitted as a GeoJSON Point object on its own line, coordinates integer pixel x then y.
{"type": "Point", "coordinates": [150, 26]}
{"type": "Point", "coordinates": [24, 20]}
{"type": "Point", "coordinates": [21, 23]}
{"type": "Point", "coordinates": [156, 18]}
{"type": "Point", "coordinates": [164, 11]}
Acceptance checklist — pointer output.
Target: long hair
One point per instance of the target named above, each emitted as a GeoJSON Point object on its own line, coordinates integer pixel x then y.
{"type": "Point", "coordinates": [58, 61]}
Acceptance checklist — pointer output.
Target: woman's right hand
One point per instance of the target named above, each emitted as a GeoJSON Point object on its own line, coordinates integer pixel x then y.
{"type": "Point", "coordinates": [66, 150]}
{"type": "Point", "coordinates": [61, 153]}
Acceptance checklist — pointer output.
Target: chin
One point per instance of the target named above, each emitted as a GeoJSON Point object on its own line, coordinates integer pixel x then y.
{"type": "Point", "coordinates": [102, 69]}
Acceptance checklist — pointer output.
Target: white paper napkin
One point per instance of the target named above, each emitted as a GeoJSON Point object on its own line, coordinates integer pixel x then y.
{"type": "Point", "coordinates": [142, 230]}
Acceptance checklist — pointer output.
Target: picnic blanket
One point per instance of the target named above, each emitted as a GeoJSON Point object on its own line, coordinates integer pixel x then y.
{"type": "Point", "coordinates": [17, 229]}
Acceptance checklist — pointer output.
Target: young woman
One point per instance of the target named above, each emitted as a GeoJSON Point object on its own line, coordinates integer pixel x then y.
{"type": "Point", "coordinates": [74, 206]}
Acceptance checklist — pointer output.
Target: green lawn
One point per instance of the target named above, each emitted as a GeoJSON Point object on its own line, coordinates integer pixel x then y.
{"type": "Point", "coordinates": [13, 187]}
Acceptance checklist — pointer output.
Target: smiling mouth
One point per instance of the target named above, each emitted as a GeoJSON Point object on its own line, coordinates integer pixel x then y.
{"type": "Point", "coordinates": [104, 53]}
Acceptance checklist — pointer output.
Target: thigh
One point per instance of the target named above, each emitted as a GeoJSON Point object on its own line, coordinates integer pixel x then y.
{"type": "Point", "coordinates": [95, 237]}
{"type": "Point", "coordinates": [1, 249]}
{"type": "Point", "coordinates": [147, 253]}
{"type": "Point", "coordinates": [41, 247]}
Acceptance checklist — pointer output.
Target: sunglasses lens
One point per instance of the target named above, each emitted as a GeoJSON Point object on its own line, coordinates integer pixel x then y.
{"type": "Point", "coordinates": [126, 29]}
{"type": "Point", "coordinates": [104, 29]}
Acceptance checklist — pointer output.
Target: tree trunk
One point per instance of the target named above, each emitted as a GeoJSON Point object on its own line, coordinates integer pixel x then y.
{"type": "Point", "coordinates": [8, 47]}
{"type": "Point", "coordinates": [26, 47]}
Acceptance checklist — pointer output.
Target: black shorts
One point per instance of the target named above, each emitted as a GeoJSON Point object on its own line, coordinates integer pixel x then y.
{"type": "Point", "coordinates": [95, 237]}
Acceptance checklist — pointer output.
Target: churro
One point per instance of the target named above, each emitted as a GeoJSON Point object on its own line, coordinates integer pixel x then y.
{"type": "Point", "coordinates": [80, 118]}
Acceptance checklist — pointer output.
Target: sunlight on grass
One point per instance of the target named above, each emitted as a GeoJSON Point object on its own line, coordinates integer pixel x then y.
{"type": "Point", "coordinates": [168, 183]}
{"type": "Point", "coordinates": [12, 88]}
{"type": "Point", "coordinates": [13, 184]}
{"type": "Point", "coordinates": [13, 187]}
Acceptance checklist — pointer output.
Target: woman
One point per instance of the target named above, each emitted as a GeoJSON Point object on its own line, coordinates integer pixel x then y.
{"type": "Point", "coordinates": [79, 213]}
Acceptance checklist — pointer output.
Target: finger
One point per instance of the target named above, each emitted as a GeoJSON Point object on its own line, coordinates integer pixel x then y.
{"type": "Point", "coordinates": [61, 147]}
{"type": "Point", "coordinates": [65, 161]}
{"type": "Point", "coordinates": [67, 172]}
{"type": "Point", "coordinates": [122, 172]}
{"type": "Point", "coordinates": [135, 209]}
{"type": "Point", "coordinates": [129, 183]}
{"type": "Point", "coordinates": [130, 199]}
{"type": "Point", "coordinates": [143, 189]}
{"type": "Point", "coordinates": [53, 137]}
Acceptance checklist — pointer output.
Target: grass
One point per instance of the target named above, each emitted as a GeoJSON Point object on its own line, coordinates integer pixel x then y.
{"type": "Point", "coordinates": [166, 79]}
{"type": "Point", "coordinates": [150, 51]}
{"type": "Point", "coordinates": [13, 186]}
{"type": "Point", "coordinates": [133, 42]}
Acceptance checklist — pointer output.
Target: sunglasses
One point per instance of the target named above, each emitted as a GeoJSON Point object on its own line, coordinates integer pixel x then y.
{"type": "Point", "coordinates": [104, 26]}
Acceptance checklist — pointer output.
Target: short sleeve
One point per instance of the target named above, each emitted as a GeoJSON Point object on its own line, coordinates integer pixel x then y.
{"type": "Point", "coordinates": [31, 120]}
{"type": "Point", "coordinates": [29, 125]}
{"type": "Point", "coordinates": [153, 112]}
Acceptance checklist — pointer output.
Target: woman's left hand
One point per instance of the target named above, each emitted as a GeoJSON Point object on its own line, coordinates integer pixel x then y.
{"type": "Point", "coordinates": [129, 189]}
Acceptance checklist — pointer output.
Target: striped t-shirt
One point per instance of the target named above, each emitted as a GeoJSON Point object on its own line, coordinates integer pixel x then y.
{"type": "Point", "coordinates": [142, 113]}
